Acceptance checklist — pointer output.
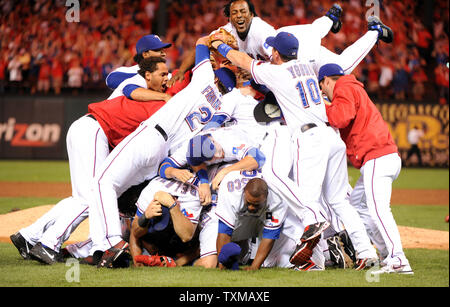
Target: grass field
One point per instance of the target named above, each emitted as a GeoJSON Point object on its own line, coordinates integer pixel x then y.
{"type": "Point", "coordinates": [431, 267]}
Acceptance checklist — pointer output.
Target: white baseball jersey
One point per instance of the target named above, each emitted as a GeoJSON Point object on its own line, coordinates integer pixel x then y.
{"type": "Point", "coordinates": [310, 49]}
{"type": "Point", "coordinates": [239, 110]}
{"type": "Point", "coordinates": [296, 89]}
{"type": "Point", "coordinates": [255, 42]}
{"type": "Point", "coordinates": [232, 211]}
{"type": "Point", "coordinates": [136, 80]}
{"type": "Point", "coordinates": [190, 109]}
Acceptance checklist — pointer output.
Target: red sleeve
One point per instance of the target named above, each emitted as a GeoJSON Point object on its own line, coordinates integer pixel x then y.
{"type": "Point", "coordinates": [342, 109]}
{"type": "Point", "coordinates": [179, 85]}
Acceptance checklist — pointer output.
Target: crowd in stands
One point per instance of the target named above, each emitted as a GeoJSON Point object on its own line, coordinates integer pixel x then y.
{"type": "Point", "coordinates": [41, 52]}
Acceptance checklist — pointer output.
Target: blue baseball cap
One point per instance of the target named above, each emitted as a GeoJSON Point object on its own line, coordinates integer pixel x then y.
{"type": "Point", "coordinates": [285, 43]}
{"type": "Point", "coordinates": [227, 77]}
{"type": "Point", "coordinates": [330, 70]}
{"type": "Point", "coordinates": [200, 149]}
{"type": "Point", "coordinates": [150, 42]}
{"type": "Point", "coordinates": [229, 256]}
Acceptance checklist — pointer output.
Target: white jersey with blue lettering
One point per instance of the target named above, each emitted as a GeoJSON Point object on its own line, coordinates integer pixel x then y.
{"type": "Point", "coordinates": [189, 110]}
{"type": "Point", "coordinates": [296, 89]}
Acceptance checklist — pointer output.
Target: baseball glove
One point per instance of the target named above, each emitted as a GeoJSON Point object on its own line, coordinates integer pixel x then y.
{"type": "Point", "coordinates": [155, 260]}
{"type": "Point", "coordinates": [224, 36]}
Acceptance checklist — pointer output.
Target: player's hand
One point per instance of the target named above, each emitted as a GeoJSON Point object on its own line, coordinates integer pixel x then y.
{"type": "Point", "coordinates": [179, 76]}
{"type": "Point", "coordinates": [204, 192]}
{"type": "Point", "coordinates": [164, 198]}
{"type": "Point", "coordinates": [153, 210]}
{"type": "Point", "coordinates": [182, 175]}
{"type": "Point", "coordinates": [218, 178]}
{"type": "Point", "coordinates": [250, 268]}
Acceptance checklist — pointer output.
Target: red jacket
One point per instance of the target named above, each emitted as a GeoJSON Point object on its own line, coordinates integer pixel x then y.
{"type": "Point", "coordinates": [120, 116]}
{"type": "Point", "coordinates": [361, 125]}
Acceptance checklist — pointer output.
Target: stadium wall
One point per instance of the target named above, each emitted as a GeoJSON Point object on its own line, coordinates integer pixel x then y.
{"type": "Point", "coordinates": [35, 127]}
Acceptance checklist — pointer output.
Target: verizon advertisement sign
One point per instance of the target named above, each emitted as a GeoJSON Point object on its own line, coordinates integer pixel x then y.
{"type": "Point", "coordinates": [32, 129]}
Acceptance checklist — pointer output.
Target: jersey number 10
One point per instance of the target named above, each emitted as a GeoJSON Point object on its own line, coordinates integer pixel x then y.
{"type": "Point", "coordinates": [313, 90]}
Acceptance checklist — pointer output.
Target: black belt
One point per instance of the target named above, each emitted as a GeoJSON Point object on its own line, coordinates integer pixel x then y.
{"type": "Point", "coordinates": [306, 127]}
{"type": "Point", "coordinates": [161, 130]}
{"type": "Point", "coordinates": [91, 116]}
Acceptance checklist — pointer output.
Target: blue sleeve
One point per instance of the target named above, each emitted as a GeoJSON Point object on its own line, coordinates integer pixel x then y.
{"type": "Point", "coordinates": [201, 53]}
{"type": "Point", "coordinates": [257, 155]}
{"type": "Point", "coordinates": [166, 163]}
{"type": "Point", "coordinates": [127, 90]}
{"type": "Point", "coordinates": [116, 77]}
{"type": "Point", "coordinates": [271, 233]}
{"type": "Point", "coordinates": [223, 228]}
{"type": "Point", "coordinates": [215, 122]}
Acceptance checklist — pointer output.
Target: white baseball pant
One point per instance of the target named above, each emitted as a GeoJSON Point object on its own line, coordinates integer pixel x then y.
{"type": "Point", "coordinates": [375, 183]}
{"type": "Point", "coordinates": [87, 148]}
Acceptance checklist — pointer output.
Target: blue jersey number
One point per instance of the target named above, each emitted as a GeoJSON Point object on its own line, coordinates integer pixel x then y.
{"type": "Point", "coordinates": [312, 89]}
{"type": "Point", "coordinates": [202, 116]}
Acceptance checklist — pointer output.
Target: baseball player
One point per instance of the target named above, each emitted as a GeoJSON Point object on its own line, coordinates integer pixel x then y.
{"type": "Point", "coordinates": [88, 144]}
{"type": "Point", "coordinates": [148, 46]}
{"type": "Point", "coordinates": [248, 208]}
{"type": "Point", "coordinates": [182, 211]}
{"type": "Point", "coordinates": [319, 163]}
{"type": "Point", "coordinates": [371, 149]}
{"type": "Point", "coordinates": [134, 160]}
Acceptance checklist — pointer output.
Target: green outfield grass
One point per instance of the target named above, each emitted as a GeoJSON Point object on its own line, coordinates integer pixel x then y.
{"type": "Point", "coordinates": [18, 272]}
{"type": "Point", "coordinates": [58, 171]}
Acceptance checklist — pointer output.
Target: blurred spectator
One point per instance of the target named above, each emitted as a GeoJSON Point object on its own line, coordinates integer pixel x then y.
{"type": "Point", "coordinates": [57, 73]}
{"type": "Point", "coordinates": [75, 77]}
{"type": "Point", "coordinates": [386, 76]}
{"type": "Point", "coordinates": [15, 73]}
{"type": "Point", "coordinates": [3, 69]}
{"type": "Point", "coordinates": [43, 84]}
{"type": "Point", "coordinates": [418, 78]}
{"type": "Point", "coordinates": [441, 77]}
{"type": "Point", "coordinates": [400, 81]}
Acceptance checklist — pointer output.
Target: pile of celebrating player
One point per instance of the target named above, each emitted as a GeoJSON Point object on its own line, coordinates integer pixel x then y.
{"type": "Point", "coordinates": [237, 159]}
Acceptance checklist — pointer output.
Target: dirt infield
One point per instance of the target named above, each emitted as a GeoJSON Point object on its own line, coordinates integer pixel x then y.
{"type": "Point", "coordinates": [12, 222]}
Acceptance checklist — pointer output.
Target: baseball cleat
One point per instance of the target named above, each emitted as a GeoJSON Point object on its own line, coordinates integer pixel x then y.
{"type": "Point", "coordinates": [365, 263]}
{"type": "Point", "coordinates": [314, 230]}
{"type": "Point", "coordinates": [303, 252]}
{"type": "Point", "coordinates": [112, 255]}
{"type": "Point", "coordinates": [308, 266]}
{"type": "Point", "coordinates": [22, 245]}
{"type": "Point", "coordinates": [398, 269]}
{"type": "Point", "coordinates": [155, 260]}
{"type": "Point", "coordinates": [348, 246]}
{"type": "Point", "coordinates": [384, 32]}
{"type": "Point", "coordinates": [44, 254]}
{"type": "Point", "coordinates": [336, 252]}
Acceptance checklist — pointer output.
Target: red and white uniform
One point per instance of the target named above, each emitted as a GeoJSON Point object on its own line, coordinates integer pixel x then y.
{"type": "Point", "coordinates": [370, 148]}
